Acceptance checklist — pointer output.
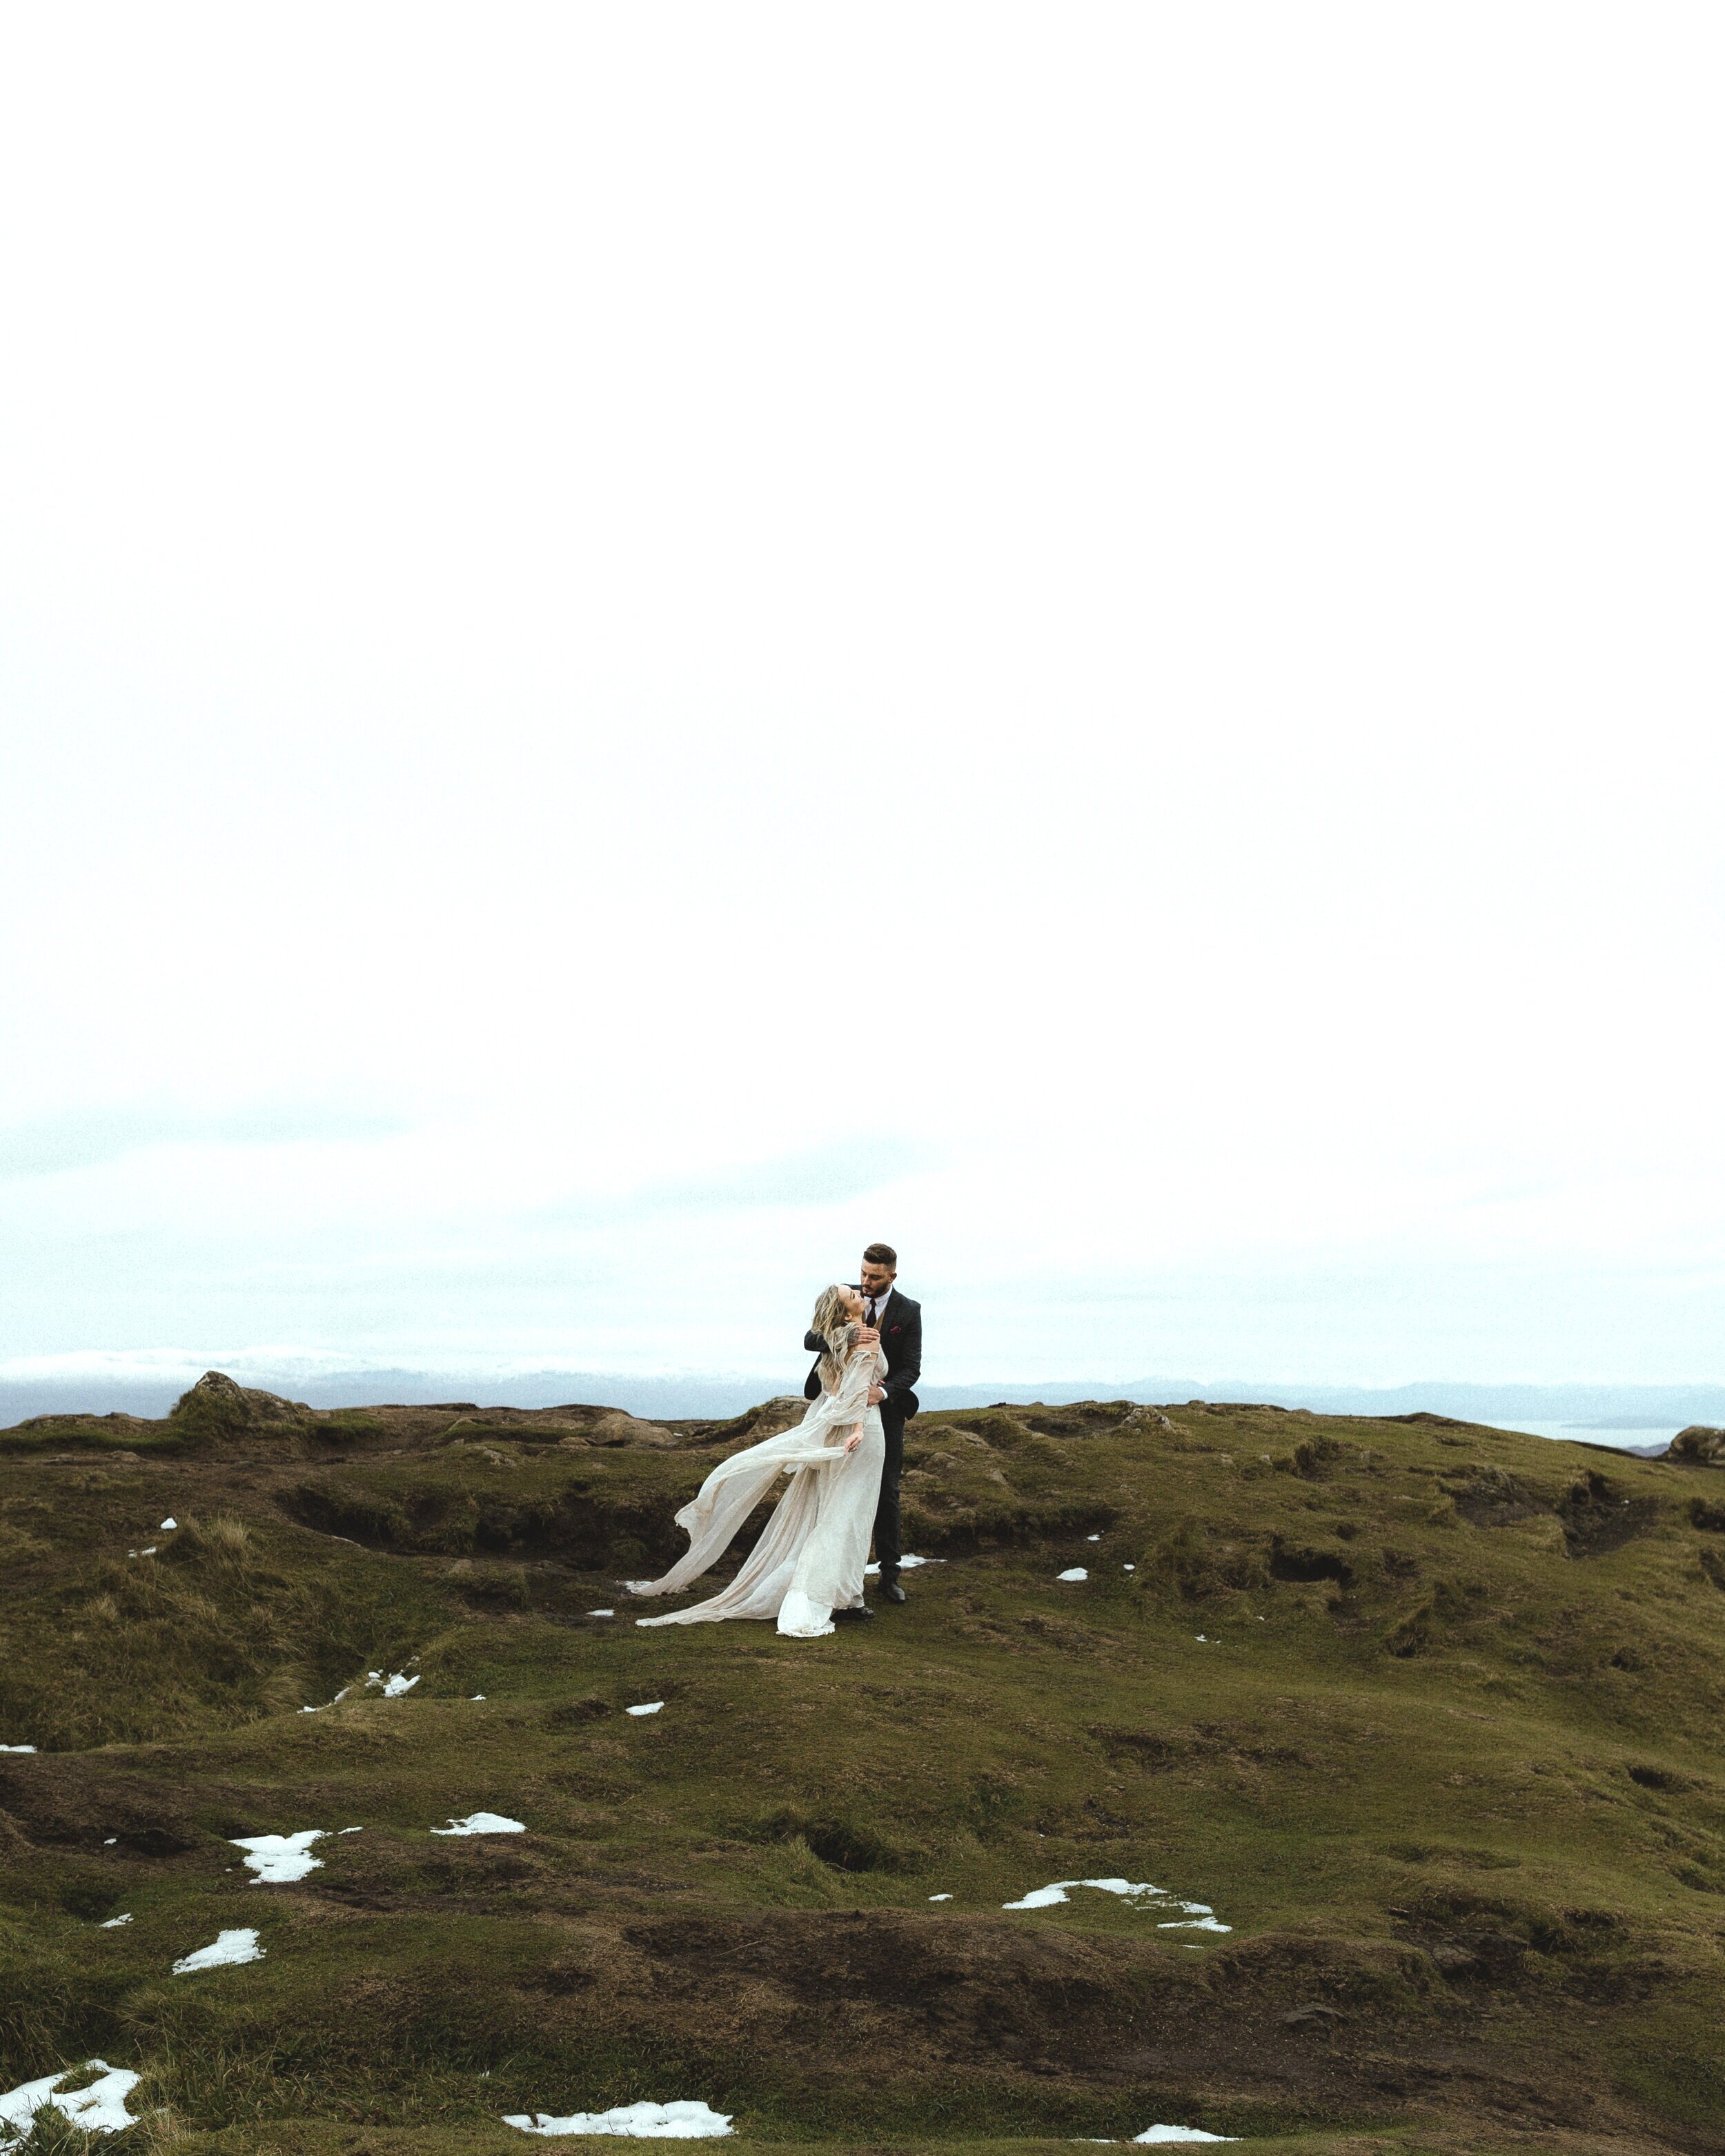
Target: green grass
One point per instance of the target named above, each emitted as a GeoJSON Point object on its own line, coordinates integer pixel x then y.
{"type": "Point", "coordinates": [1447, 1760]}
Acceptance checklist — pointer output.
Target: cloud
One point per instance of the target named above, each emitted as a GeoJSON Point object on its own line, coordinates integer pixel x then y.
{"type": "Point", "coordinates": [96, 1135]}
{"type": "Point", "coordinates": [836, 1173]}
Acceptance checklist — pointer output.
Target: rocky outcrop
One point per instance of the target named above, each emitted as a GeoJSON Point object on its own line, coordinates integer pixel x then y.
{"type": "Point", "coordinates": [1698, 1446]}
{"type": "Point", "coordinates": [619, 1428]}
{"type": "Point", "coordinates": [770, 1418]}
{"type": "Point", "coordinates": [216, 1409]}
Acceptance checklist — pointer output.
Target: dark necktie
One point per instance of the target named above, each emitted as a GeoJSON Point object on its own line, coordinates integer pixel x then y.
{"type": "Point", "coordinates": [871, 1309]}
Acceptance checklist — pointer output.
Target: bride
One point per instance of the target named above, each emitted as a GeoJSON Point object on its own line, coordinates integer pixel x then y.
{"type": "Point", "coordinates": [809, 1560]}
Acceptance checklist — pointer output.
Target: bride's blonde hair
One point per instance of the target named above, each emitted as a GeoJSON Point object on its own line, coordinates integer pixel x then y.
{"type": "Point", "coordinates": [833, 1321]}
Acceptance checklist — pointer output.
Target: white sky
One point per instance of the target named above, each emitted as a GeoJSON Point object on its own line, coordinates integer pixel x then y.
{"type": "Point", "coordinates": [642, 641]}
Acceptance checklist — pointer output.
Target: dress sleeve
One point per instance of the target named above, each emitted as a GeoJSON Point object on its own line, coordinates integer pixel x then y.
{"type": "Point", "coordinates": [851, 1402]}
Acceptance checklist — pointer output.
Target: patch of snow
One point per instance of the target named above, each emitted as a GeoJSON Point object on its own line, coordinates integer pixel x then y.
{"type": "Point", "coordinates": [227, 1950]}
{"type": "Point", "coordinates": [99, 2108]}
{"type": "Point", "coordinates": [110, 1841]}
{"type": "Point", "coordinates": [1046, 1897]}
{"type": "Point", "coordinates": [18, 1747]}
{"type": "Point", "coordinates": [151, 1552]}
{"type": "Point", "coordinates": [1180, 2133]}
{"type": "Point", "coordinates": [111, 1924]}
{"type": "Point", "coordinates": [1204, 1642]}
{"type": "Point", "coordinates": [167, 1526]}
{"type": "Point", "coordinates": [1128, 1568]}
{"type": "Point", "coordinates": [1195, 1916]}
{"type": "Point", "coordinates": [477, 1697]}
{"type": "Point", "coordinates": [666, 2122]}
{"type": "Point", "coordinates": [396, 1686]}
{"type": "Point", "coordinates": [277, 1860]}
{"type": "Point", "coordinates": [351, 1829]}
{"type": "Point", "coordinates": [602, 1613]}
{"type": "Point", "coordinates": [1093, 1538]}
{"type": "Point", "coordinates": [339, 1697]}
{"type": "Point", "coordinates": [652, 1706]}
{"type": "Point", "coordinates": [1077, 1572]}
{"type": "Point", "coordinates": [482, 1823]}
{"type": "Point", "coordinates": [906, 1564]}
{"type": "Point", "coordinates": [940, 1897]}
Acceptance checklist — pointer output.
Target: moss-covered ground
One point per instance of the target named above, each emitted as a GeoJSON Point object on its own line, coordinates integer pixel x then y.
{"type": "Point", "coordinates": [1432, 1717]}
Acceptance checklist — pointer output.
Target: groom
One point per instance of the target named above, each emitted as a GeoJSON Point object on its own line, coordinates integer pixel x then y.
{"type": "Point", "coordinates": [898, 1322]}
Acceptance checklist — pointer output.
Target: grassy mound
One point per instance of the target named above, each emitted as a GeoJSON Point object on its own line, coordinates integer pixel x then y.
{"type": "Point", "coordinates": [1427, 1716]}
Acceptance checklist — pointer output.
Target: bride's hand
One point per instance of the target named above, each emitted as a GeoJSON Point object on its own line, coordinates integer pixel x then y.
{"type": "Point", "coordinates": [854, 1438]}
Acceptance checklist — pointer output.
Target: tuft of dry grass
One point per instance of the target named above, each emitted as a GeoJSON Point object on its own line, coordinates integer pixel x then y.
{"type": "Point", "coordinates": [223, 1535]}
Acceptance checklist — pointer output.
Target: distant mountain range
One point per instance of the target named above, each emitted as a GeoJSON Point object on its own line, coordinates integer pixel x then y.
{"type": "Point", "coordinates": [1592, 1406]}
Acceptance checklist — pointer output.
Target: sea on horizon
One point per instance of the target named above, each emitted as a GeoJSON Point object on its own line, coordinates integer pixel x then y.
{"type": "Point", "coordinates": [1654, 1437]}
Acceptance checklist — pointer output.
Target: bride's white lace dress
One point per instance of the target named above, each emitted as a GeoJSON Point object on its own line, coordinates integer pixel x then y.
{"type": "Point", "coordinates": [810, 1559]}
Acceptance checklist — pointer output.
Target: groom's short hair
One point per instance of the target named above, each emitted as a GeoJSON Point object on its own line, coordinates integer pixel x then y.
{"type": "Point", "coordinates": [881, 1254]}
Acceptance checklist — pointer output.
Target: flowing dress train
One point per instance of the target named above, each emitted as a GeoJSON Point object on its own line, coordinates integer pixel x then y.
{"type": "Point", "coordinates": [810, 1559]}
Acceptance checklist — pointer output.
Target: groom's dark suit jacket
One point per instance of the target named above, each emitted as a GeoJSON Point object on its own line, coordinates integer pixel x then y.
{"type": "Point", "coordinates": [901, 1337]}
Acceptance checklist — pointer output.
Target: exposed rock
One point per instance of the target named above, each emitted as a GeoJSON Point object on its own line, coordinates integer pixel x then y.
{"type": "Point", "coordinates": [1143, 1418]}
{"type": "Point", "coordinates": [771, 1418]}
{"type": "Point", "coordinates": [216, 1407]}
{"type": "Point", "coordinates": [1698, 1445]}
{"type": "Point", "coordinates": [618, 1428]}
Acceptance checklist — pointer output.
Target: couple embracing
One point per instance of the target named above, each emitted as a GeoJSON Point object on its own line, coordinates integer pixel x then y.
{"type": "Point", "coordinates": [844, 1459]}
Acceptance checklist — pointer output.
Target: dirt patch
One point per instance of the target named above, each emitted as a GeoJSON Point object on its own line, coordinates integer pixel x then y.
{"type": "Point", "coordinates": [1311, 2025]}
{"type": "Point", "coordinates": [591, 1528]}
{"type": "Point", "coordinates": [1495, 1499]}
{"type": "Point", "coordinates": [1161, 1750]}
{"type": "Point", "coordinates": [1598, 1517]}
{"type": "Point", "coordinates": [73, 1802]}
{"type": "Point", "coordinates": [1309, 1561]}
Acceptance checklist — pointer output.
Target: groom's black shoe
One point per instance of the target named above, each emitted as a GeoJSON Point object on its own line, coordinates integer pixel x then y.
{"type": "Point", "coordinates": [856, 1616]}
{"type": "Point", "coordinates": [890, 1591]}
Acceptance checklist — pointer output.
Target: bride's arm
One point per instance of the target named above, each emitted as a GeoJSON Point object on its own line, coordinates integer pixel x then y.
{"type": "Point", "coordinates": [851, 1403]}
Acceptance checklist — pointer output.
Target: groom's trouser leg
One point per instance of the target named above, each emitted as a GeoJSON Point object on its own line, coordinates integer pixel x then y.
{"type": "Point", "coordinates": [886, 1522]}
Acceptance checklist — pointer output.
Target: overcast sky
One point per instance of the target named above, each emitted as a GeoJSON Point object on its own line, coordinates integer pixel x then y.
{"type": "Point", "coordinates": [640, 642]}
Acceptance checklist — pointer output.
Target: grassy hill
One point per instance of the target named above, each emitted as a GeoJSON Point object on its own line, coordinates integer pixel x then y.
{"type": "Point", "coordinates": [1428, 1716]}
